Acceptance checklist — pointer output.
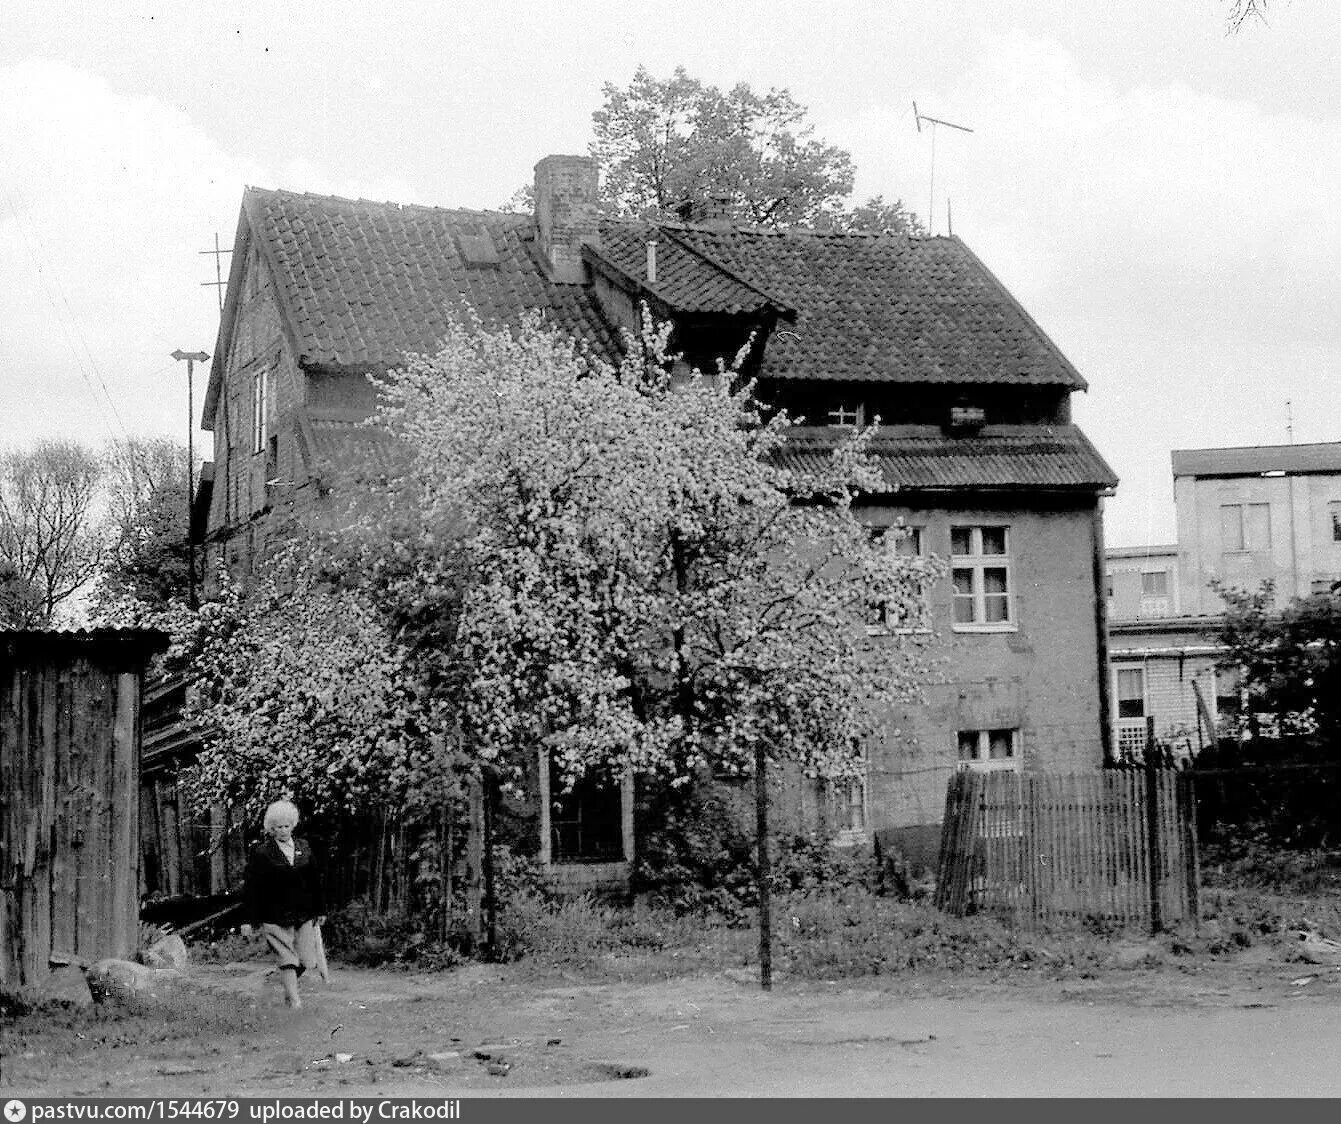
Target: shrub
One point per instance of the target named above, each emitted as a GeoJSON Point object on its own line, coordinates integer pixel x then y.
{"type": "Point", "coordinates": [700, 858]}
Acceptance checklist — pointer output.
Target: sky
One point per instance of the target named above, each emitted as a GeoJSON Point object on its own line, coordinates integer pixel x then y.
{"type": "Point", "coordinates": [1161, 196]}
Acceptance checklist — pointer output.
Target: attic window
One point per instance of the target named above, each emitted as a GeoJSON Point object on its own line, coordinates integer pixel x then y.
{"type": "Point", "coordinates": [477, 248]}
{"type": "Point", "coordinates": [848, 414]}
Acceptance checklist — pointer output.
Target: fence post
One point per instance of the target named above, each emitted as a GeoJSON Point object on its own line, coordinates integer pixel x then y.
{"type": "Point", "coordinates": [1154, 851]}
{"type": "Point", "coordinates": [1191, 855]}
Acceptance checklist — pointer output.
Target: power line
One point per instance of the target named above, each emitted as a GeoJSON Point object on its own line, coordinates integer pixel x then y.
{"type": "Point", "coordinates": [31, 236]}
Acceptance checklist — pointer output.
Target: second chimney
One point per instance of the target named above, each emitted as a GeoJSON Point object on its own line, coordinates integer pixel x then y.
{"type": "Point", "coordinates": [566, 215]}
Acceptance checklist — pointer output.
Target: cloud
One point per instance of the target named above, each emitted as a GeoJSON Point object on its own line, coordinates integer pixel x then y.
{"type": "Point", "coordinates": [1179, 246]}
{"type": "Point", "coordinates": [105, 202]}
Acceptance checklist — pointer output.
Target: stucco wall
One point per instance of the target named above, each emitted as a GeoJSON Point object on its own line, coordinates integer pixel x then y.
{"type": "Point", "coordinates": [1302, 550]}
{"type": "Point", "coordinates": [1042, 677]}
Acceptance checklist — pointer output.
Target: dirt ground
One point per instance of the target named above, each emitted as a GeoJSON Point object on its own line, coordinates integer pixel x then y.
{"type": "Point", "coordinates": [1255, 1024]}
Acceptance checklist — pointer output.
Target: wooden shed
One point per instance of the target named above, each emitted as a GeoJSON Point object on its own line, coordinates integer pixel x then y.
{"type": "Point", "coordinates": [69, 784]}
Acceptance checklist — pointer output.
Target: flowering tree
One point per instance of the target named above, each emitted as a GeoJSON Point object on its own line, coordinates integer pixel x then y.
{"type": "Point", "coordinates": [302, 690]}
{"type": "Point", "coordinates": [655, 589]}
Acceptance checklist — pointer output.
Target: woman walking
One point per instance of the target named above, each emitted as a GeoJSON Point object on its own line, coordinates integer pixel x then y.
{"type": "Point", "coordinates": [284, 897]}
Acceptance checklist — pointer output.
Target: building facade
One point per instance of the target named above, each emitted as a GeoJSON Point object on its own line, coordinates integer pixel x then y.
{"type": "Point", "coordinates": [979, 455]}
{"type": "Point", "coordinates": [1265, 512]}
{"type": "Point", "coordinates": [1244, 516]}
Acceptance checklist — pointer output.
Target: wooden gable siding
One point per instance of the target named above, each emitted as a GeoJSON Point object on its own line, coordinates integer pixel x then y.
{"type": "Point", "coordinates": [257, 343]}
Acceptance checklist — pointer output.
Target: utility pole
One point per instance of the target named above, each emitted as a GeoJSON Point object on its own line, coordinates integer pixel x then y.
{"type": "Point", "coordinates": [192, 358]}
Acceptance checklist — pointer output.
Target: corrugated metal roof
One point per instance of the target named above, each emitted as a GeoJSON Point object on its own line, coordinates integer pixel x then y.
{"type": "Point", "coordinates": [1254, 460]}
{"type": "Point", "coordinates": [995, 457]}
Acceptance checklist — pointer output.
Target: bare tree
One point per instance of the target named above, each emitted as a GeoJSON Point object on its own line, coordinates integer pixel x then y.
{"type": "Point", "coordinates": [147, 560]}
{"type": "Point", "coordinates": [51, 533]}
{"type": "Point", "coordinates": [1241, 11]}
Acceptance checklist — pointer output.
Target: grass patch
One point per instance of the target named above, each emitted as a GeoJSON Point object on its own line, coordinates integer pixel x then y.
{"type": "Point", "coordinates": [61, 1030]}
{"type": "Point", "coordinates": [818, 934]}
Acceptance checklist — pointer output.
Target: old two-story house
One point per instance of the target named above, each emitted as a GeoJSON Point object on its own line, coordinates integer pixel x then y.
{"type": "Point", "coordinates": [982, 462]}
{"type": "Point", "coordinates": [1244, 515]}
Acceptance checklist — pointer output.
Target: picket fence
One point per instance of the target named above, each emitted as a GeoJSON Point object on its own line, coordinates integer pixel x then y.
{"type": "Point", "coordinates": [1116, 848]}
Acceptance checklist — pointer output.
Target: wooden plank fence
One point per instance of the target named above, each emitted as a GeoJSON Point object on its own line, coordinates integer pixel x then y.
{"type": "Point", "coordinates": [1115, 848]}
{"type": "Point", "coordinates": [69, 769]}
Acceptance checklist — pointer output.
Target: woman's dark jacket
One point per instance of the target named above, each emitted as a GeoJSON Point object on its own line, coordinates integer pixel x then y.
{"type": "Point", "coordinates": [281, 893]}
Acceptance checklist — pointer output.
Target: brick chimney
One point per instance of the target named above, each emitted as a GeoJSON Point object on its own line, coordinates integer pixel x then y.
{"type": "Point", "coordinates": [565, 214]}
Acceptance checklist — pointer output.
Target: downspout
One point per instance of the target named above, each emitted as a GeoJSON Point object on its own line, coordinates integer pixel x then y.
{"type": "Point", "coordinates": [1101, 632]}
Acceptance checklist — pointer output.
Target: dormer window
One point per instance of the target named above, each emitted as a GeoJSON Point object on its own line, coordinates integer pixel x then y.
{"type": "Point", "coordinates": [848, 414]}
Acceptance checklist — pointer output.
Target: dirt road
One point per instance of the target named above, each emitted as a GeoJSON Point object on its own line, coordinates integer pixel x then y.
{"type": "Point", "coordinates": [1236, 1029]}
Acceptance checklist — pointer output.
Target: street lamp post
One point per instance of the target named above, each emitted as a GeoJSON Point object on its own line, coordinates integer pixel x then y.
{"type": "Point", "coordinates": [191, 357]}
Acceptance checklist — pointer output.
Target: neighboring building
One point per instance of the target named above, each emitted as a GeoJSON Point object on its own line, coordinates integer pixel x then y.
{"type": "Point", "coordinates": [1244, 515]}
{"type": "Point", "coordinates": [1166, 683]}
{"type": "Point", "coordinates": [1141, 582]}
{"type": "Point", "coordinates": [1253, 513]}
{"type": "Point", "coordinates": [980, 457]}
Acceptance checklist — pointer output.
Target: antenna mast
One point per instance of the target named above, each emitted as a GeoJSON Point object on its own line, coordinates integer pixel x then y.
{"type": "Point", "coordinates": [934, 122]}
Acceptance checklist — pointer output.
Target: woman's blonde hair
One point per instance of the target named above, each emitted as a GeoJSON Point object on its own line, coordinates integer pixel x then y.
{"type": "Point", "coordinates": [280, 812]}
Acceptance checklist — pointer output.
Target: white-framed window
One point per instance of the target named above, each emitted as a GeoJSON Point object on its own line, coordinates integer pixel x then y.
{"type": "Point", "coordinates": [1334, 512]}
{"type": "Point", "coordinates": [1129, 691]}
{"type": "Point", "coordinates": [980, 572]}
{"type": "Point", "coordinates": [993, 750]}
{"type": "Point", "coordinates": [846, 808]}
{"type": "Point", "coordinates": [260, 385]}
{"type": "Point", "coordinates": [906, 540]}
{"type": "Point", "coordinates": [1130, 710]}
{"type": "Point", "coordinates": [847, 414]}
{"type": "Point", "coordinates": [1245, 527]}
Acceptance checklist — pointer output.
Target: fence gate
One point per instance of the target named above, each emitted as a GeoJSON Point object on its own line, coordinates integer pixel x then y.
{"type": "Point", "coordinates": [1116, 847]}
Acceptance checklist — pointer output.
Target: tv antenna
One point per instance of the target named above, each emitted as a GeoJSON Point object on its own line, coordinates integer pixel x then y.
{"type": "Point", "coordinates": [935, 123]}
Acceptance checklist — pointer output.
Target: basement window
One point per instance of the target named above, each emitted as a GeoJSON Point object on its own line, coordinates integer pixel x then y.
{"type": "Point", "coordinates": [989, 750]}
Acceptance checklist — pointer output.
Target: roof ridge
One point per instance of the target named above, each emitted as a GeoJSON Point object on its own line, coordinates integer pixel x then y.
{"type": "Point", "coordinates": [320, 197]}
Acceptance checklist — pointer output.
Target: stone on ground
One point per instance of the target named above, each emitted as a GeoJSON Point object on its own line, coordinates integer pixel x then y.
{"type": "Point", "coordinates": [169, 952]}
{"type": "Point", "coordinates": [112, 978]}
{"type": "Point", "coordinates": [68, 985]}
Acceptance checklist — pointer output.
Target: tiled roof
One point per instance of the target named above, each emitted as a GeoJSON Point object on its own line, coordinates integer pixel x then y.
{"type": "Point", "coordinates": [686, 279]}
{"type": "Point", "coordinates": [1253, 460]}
{"type": "Point", "coordinates": [1000, 456]}
{"type": "Point", "coordinates": [360, 283]}
{"type": "Point", "coordinates": [887, 308]}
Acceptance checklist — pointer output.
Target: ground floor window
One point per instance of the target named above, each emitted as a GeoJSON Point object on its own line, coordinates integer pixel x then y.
{"type": "Point", "coordinates": [1129, 696]}
{"type": "Point", "coordinates": [845, 808]}
{"type": "Point", "coordinates": [586, 823]}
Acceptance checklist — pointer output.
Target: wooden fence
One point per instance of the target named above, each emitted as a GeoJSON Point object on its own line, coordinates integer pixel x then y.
{"type": "Point", "coordinates": [1116, 848]}
{"type": "Point", "coordinates": [69, 768]}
